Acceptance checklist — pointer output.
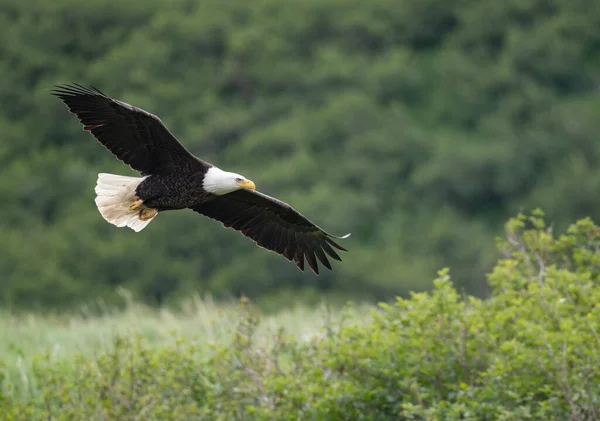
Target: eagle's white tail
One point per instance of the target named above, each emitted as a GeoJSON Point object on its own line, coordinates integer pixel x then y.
{"type": "Point", "coordinates": [115, 193]}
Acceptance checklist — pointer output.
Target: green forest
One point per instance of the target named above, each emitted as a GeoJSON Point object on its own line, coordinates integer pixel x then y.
{"type": "Point", "coordinates": [418, 126]}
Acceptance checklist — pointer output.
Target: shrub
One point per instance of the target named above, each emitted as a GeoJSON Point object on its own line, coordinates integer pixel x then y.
{"type": "Point", "coordinates": [529, 351]}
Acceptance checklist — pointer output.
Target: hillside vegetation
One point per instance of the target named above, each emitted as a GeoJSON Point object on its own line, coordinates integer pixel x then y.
{"type": "Point", "coordinates": [529, 352]}
{"type": "Point", "coordinates": [419, 126]}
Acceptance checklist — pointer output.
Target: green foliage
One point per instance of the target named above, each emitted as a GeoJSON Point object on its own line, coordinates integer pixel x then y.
{"type": "Point", "coordinates": [419, 126]}
{"type": "Point", "coordinates": [530, 351]}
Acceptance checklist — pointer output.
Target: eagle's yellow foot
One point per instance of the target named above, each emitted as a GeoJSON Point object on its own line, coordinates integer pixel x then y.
{"type": "Point", "coordinates": [147, 213]}
{"type": "Point", "coordinates": [137, 204]}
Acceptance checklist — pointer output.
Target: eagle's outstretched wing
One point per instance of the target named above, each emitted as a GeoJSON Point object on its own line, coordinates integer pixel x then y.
{"type": "Point", "coordinates": [133, 135]}
{"type": "Point", "coordinates": [273, 225]}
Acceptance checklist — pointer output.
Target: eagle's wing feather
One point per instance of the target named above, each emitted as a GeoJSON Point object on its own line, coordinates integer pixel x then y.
{"type": "Point", "coordinates": [273, 225]}
{"type": "Point", "coordinates": [136, 137]}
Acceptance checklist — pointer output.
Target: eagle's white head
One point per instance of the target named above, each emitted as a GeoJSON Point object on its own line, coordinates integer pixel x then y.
{"type": "Point", "coordinates": [217, 181]}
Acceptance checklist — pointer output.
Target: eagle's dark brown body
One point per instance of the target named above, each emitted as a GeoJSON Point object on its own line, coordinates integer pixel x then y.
{"type": "Point", "coordinates": [175, 179]}
{"type": "Point", "coordinates": [174, 191]}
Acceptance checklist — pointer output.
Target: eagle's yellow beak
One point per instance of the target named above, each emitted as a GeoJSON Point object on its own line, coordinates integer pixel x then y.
{"type": "Point", "coordinates": [247, 184]}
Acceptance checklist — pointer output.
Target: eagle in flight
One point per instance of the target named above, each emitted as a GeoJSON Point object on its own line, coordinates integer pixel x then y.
{"type": "Point", "coordinates": [173, 178]}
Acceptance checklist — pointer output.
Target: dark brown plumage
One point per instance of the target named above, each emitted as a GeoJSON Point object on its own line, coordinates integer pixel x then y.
{"type": "Point", "coordinates": [134, 136]}
{"type": "Point", "coordinates": [274, 225]}
{"type": "Point", "coordinates": [176, 179]}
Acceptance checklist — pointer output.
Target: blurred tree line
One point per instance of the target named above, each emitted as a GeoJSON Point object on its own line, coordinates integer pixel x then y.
{"type": "Point", "coordinates": [419, 126]}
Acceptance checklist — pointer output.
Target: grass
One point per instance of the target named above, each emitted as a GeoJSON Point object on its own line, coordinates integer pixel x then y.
{"type": "Point", "coordinates": [23, 337]}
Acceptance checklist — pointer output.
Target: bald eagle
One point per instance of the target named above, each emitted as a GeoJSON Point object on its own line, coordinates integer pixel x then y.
{"type": "Point", "coordinates": [172, 178]}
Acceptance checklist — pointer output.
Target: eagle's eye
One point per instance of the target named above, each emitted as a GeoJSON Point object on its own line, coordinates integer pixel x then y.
{"type": "Point", "coordinates": [239, 180]}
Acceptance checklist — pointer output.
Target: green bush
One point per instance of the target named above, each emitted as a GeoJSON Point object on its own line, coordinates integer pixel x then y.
{"type": "Point", "coordinates": [529, 351]}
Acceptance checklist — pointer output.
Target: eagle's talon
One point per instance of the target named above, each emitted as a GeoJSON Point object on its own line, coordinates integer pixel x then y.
{"type": "Point", "coordinates": [137, 204]}
{"type": "Point", "coordinates": [147, 213]}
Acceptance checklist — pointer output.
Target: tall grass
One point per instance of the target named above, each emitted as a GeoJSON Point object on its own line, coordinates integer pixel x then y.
{"type": "Point", "coordinates": [24, 336]}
